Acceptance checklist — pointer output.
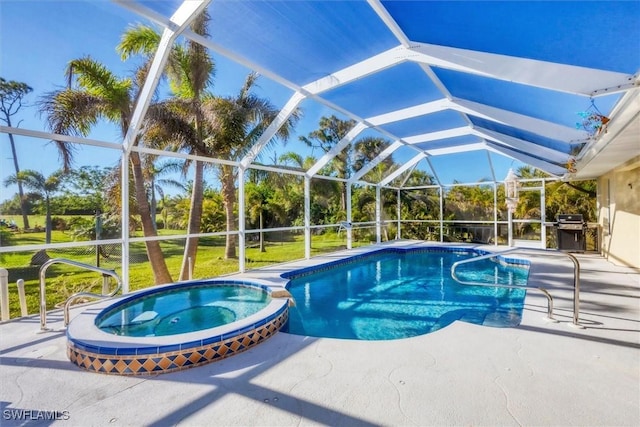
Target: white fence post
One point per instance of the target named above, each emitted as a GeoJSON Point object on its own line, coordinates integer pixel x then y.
{"type": "Point", "coordinates": [23, 300]}
{"type": "Point", "coordinates": [4, 293]}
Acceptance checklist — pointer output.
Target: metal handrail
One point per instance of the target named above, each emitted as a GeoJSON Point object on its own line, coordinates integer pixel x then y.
{"type": "Point", "coordinates": [576, 279]}
{"type": "Point", "coordinates": [43, 299]}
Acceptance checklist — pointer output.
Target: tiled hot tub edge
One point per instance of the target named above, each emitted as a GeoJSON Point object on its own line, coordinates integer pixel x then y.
{"type": "Point", "coordinates": [159, 363]}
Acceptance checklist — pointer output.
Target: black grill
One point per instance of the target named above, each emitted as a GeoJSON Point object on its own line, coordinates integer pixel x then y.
{"type": "Point", "coordinates": [571, 233]}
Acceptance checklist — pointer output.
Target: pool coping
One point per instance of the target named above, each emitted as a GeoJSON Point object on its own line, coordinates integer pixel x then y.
{"type": "Point", "coordinates": [510, 261]}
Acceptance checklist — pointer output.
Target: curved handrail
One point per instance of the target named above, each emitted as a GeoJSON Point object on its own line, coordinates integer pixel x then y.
{"type": "Point", "coordinates": [576, 279]}
{"type": "Point", "coordinates": [43, 299]}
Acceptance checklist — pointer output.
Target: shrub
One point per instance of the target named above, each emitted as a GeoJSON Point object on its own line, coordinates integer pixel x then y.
{"type": "Point", "coordinates": [58, 223]}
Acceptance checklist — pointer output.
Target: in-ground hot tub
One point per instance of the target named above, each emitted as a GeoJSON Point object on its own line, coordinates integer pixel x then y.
{"type": "Point", "coordinates": [173, 327]}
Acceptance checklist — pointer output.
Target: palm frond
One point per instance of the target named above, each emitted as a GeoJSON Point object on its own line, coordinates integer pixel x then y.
{"type": "Point", "coordinates": [139, 39]}
{"type": "Point", "coordinates": [168, 125]}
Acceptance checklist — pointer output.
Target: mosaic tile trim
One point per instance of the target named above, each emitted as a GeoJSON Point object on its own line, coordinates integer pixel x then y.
{"type": "Point", "coordinates": [160, 363]}
{"type": "Point", "coordinates": [512, 262]}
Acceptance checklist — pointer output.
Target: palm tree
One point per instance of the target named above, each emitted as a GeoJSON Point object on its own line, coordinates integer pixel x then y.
{"type": "Point", "coordinates": [258, 200]}
{"type": "Point", "coordinates": [44, 187]}
{"type": "Point", "coordinates": [11, 95]}
{"type": "Point", "coordinates": [331, 130]}
{"type": "Point", "coordinates": [153, 173]}
{"type": "Point", "coordinates": [190, 70]}
{"type": "Point", "coordinates": [234, 125]}
{"type": "Point", "coordinates": [102, 95]}
{"type": "Point", "coordinates": [324, 202]}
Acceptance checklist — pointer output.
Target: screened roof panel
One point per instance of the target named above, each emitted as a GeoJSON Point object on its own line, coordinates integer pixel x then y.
{"type": "Point", "coordinates": [577, 33]}
{"type": "Point", "coordinates": [524, 135]}
{"type": "Point", "coordinates": [454, 167]}
{"type": "Point", "coordinates": [434, 122]}
{"type": "Point", "coordinates": [404, 154]}
{"type": "Point", "coordinates": [163, 7]}
{"type": "Point", "coordinates": [534, 155]}
{"type": "Point", "coordinates": [549, 105]}
{"type": "Point", "coordinates": [398, 87]}
{"type": "Point", "coordinates": [299, 40]}
{"type": "Point", "coordinates": [449, 142]}
{"type": "Point", "coordinates": [444, 72]}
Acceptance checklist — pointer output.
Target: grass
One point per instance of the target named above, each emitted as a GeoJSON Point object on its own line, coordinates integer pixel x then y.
{"type": "Point", "coordinates": [62, 280]}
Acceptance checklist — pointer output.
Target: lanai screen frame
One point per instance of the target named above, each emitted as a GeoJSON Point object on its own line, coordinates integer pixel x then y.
{"type": "Point", "coordinates": [177, 25]}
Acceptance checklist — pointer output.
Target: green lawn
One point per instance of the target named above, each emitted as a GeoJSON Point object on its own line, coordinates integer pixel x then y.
{"type": "Point", "coordinates": [62, 281]}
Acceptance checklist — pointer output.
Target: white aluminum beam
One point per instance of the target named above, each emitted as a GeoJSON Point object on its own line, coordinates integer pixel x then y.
{"type": "Point", "coordinates": [520, 121]}
{"type": "Point", "coordinates": [59, 137]}
{"type": "Point", "coordinates": [375, 162]}
{"type": "Point", "coordinates": [433, 170]}
{"type": "Point", "coordinates": [542, 165]}
{"type": "Point", "coordinates": [388, 20]}
{"type": "Point", "coordinates": [349, 137]}
{"type": "Point", "coordinates": [402, 169]}
{"type": "Point", "coordinates": [307, 217]}
{"type": "Point", "coordinates": [411, 112]}
{"type": "Point", "coordinates": [378, 215]}
{"type": "Point", "coordinates": [519, 144]}
{"type": "Point", "coordinates": [493, 171]}
{"type": "Point", "coordinates": [559, 77]}
{"type": "Point", "coordinates": [435, 136]}
{"type": "Point", "coordinates": [273, 128]}
{"type": "Point", "coordinates": [406, 178]}
{"type": "Point", "coordinates": [364, 68]}
{"type": "Point", "coordinates": [505, 117]}
{"type": "Point", "coordinates": [475, 146]}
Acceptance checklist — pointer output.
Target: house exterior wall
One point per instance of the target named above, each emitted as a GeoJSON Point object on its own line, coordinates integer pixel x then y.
{"type": "Point", "coordinates": [619, 214]}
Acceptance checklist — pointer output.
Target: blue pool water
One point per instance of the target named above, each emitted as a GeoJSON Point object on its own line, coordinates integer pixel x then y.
{"type": "Point", "coordinates": [391, 295]}
{"type": "Point", "coordinates": [183, 310]}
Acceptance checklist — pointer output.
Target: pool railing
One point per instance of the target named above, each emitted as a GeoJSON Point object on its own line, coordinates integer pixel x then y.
{"type": "Point", "coordinates": [43, 297]}
{"type": "Point", "coordinates": [576, 280]}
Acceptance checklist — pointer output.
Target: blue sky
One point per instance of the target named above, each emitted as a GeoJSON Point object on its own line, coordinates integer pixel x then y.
{"type": "Point", "coordinates": [38, 38]}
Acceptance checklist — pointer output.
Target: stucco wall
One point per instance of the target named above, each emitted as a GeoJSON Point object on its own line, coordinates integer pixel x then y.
{"type": "Point", "coordinates": [619, 214]}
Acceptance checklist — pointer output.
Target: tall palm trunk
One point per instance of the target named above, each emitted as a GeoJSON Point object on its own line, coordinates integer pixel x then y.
{"type": "Point", "coordinates": [343, 196]}
{"type": "Point", "coordinates": [23, 201]}
{"type": "Point", "coordinates": [229, 199]}
{"type": "Point", "coordinates": [154, 252]}
{"type": "Point", "coordinates": [47, 221]}
{"type": "Point", "coordinates": [262, 249]}
{"type": "Point", "coordinates": [195, 219]}
{"type": "Point", "coordinates": [154, 204]}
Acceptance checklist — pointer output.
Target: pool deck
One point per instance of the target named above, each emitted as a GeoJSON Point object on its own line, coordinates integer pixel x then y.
{"type": "Point", "coordinates": [538, 373]}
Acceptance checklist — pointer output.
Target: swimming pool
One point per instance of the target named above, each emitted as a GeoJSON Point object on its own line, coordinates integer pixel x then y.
{"type": "Point", "coordinates": [400, 293]}
{"type": "Point", "coordinates": [173, 327]}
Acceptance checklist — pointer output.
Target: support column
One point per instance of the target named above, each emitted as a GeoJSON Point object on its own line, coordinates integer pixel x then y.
{"type": "Point", "coordinates": [241, 221]}
{"type": "Point", "coordinates": [495, 214]}
{"type": "Point", "coordinates": [510, 224]}
{"type": "Point", "coordinates": [349, 229]}
{"type": "Point", "coordinates": [378, 215]}
{"type": "Point", "coordinates": [307, 217]}
{"type": "Point", "coordinates": [543, 216]}
{"type": "Point", "coordinates": [124, 201]}
{"type": "Point", "coordinates": [399, 212]}
{"type": "Point", "coordinates": [441, 215]}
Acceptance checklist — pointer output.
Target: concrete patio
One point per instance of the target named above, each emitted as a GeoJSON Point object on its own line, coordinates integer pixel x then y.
{"type": "Point", "coordinates": [538, 373]}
